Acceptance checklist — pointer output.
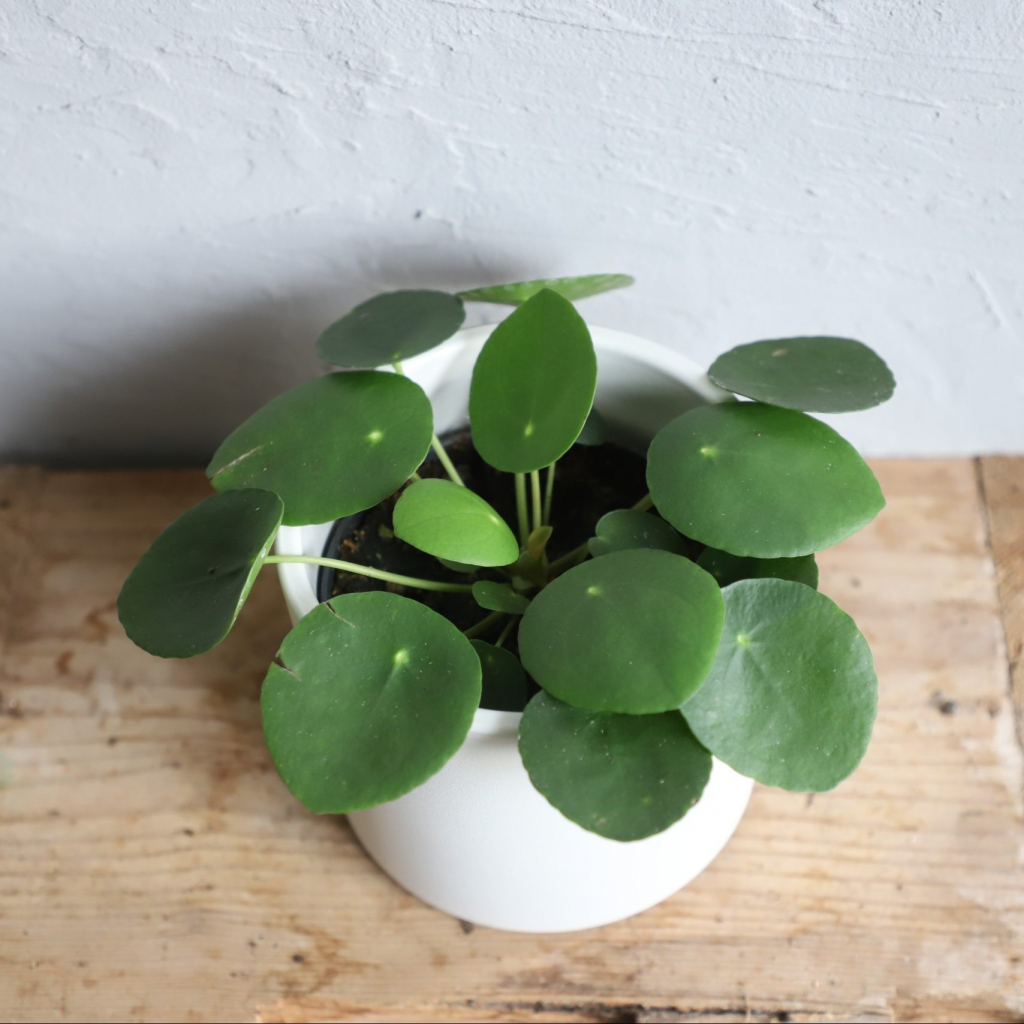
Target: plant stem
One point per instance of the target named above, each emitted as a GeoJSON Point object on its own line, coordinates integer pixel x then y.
{"type": "Point", "coordinates": [365, 570]}
{"type": "Point", "coordinates": [549, 493]}
{"type": "Point", "coordinates": [524, 529]}
{"type": "Point", "coordinates": [643, 504]}
{"type": "Point", "coordinates": [502, 636]}
{"type": "Point", "coordinates": [435, 443]}
{"type": "Point", "coordinates": [538, 519]}
{"type": "Point", "coordinates": [415, 477]}
{"type": "Point", "coordinates": [483, 624]}
{"type": "Point", "coordinates": [449, 466]}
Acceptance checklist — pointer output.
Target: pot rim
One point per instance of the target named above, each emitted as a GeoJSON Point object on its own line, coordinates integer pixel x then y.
{"type": "Point", "coordinates": [487, 722]}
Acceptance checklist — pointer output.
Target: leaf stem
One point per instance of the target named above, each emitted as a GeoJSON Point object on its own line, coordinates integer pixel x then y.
{"type": "Point", "coordinates": [365, 570]}
{"type": "Point", "coordinates": [549, 492]}
{"type": "Point", "coordinates": [503, 635]}
{"type": "Point", "coordinates": [643, 504]}
{"type": "Point", "coordinates": [524, 529]}
{"type": "Point", "coordinates": [484, 623]}
{"type": "Point", "coordinates": [449, 466]}
{"type": "Point", "coordinates": [538, 517]}
{"type": "Point", "coordinates": [435, 443]}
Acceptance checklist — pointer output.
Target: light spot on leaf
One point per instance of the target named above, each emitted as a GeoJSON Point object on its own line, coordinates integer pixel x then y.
{"type": "Point", "coordinates": [528, 429]}
{"type": "Point", "coordinates": [709, 450]}
{"type": "Point", "coordinates": [401, 657]}
{"type": "Point", "coordinates": [375, 436]}
{"type": "Point", "coordinates": [594, 591]}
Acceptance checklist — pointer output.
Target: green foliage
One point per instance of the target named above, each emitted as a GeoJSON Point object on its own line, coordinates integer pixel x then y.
{"type": "Point", "coordinates": [505, 687]}
{"type": "Point", "coordinates": [812, 374]}
{"type": "Point", "coordinates": [449, 521]}
{"type": "Point", "coordinates": [634, 632]}
{"type": "Point", "coordinates": [571, 288]}
{"type": "Point", "coordinates": [499, 597]}
{"type": "Point", "coordinates": [533, 385]}
{"type": "Point", "coordinates": [392, 327]}
{"type": "Point", "coordinates": [626, 528]}
{"type": "Point", "coordinates": [185, 593]}
{"type": "Point", "coordinates": [648, 662]}
{"type": "Point", "coordinates": [330, 447]}
{"type": "Point", "coordinates": [760, 481]}
{"type": "Point", "coordinates": [622, 776]}
{"type": "Point", "coordinates": [373, 694]}
{"type": "Point", "coordinates": [791, 698]}
{"type": "Point", "coordinates": [728, 568]}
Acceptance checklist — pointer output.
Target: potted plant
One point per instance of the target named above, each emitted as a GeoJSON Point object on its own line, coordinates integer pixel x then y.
{"type": "Point", "coordinates": [538, 685]}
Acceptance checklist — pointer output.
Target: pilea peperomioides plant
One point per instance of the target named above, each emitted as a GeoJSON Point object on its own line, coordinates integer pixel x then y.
{"type": "Point", "coordinates": [688, 625]}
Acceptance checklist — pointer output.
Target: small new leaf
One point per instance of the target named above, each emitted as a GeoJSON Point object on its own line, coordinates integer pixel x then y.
{"type": "Point", "coordinates": [625, 529]}
{"type": "Point", "coordinates": [499, 597]}
{"type": "Point", "coordinates": [453, 522]}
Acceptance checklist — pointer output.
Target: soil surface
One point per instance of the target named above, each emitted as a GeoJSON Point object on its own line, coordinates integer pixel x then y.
{"type": "Point", "coordinates": [589, 481]}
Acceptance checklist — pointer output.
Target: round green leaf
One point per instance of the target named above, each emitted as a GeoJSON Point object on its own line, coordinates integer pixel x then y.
{"type": "Point", "coordinates": [330, 447]}
{"type": "Point", "coordinates": [533, 385]}
{"type": "Point", "coordinates": [499, 597]}
{"type": "Point", "coordinates": [185, 593]}
{"type": "Point", "coordinates": [453, 522]}
{"type": "Point", "coordinates": [373, 694]}
{"type": "Point", "coordinates": [813, 374]}
{"type": "Point", "coordinates": [504, 682]}
{"type": "Point", "coordinates": [760, 481]}
{"type": "Point", "coordinates": [391, 327]}
{"type": "Point", "coordinates": [791, 698]}
{"type": "Point", "coordinates": [570, 288]}
{"type": "Point", "coordinates": [622, 776]}
{"type": "Point", "coordinates": [633, 631]}
{"type": "Point", "coordinates": [728, 568]}
{"type": "Point", "coordinates": [625, 529]}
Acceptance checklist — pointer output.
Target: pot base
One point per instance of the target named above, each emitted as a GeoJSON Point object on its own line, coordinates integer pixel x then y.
{"type": "Point", "coordinates": [480, 843]}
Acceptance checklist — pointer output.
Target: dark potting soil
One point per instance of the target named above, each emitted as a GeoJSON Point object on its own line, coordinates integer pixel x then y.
{"type": "Point", "coordinates": [589, 481]}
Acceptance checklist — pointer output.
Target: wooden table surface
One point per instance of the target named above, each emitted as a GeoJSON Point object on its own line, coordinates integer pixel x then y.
{"type": "Point", "coordinates": [153, 867]}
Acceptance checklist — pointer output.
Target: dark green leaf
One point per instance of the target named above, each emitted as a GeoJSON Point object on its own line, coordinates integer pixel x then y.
{"type": "Point", "coordinates": [499, 597]}
{"type": "Point", "coordinates": [634, 631]}
{"type": "Point", "coordinates": [330, 447]}
{"type": "Point", "coordinates": [187, 590]}
{"type": "Point", "coordinates": [374, 694]}
{"type": "Point", "coordinates": [391, 327]}
{"type": "Point", "coordinates": [622, 776]}
{"type": "Point", "coordinates": [812, 374]}
{"type": "Point", "coordinates": [449, 521]}
{"type": "Point", "coordinates": [791, 698]}
{"type": "Point", "coordinates": [625, 529]}
{"type": "Point", "coordinates": [533, 385]}
{"type": "Point", "coordinates": [570, 288]}
{"type": "Point", "coordinates": [504, 682]}
{"type": "Point", "coordinates": [728, 568]}
{"type": "Point", "coordinates": [760, 481]}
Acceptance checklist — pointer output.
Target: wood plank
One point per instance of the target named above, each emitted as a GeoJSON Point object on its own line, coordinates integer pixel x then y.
{"type": "Point", "coordinates": [1002, 481]}
{"type": "Point", "coordinates": [153, 867]}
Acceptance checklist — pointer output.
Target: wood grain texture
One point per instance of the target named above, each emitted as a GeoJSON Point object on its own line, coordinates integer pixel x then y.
{"type": "Point", "coordinates": [153, 867]}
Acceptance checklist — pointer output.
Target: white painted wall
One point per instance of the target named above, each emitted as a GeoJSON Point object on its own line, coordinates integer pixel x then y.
{"type": "Point", "coordinates": [189, 191]}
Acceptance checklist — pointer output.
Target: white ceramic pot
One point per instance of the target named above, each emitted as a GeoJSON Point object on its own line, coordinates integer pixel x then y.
{"type": "Point", "coordinates": [477, 840]}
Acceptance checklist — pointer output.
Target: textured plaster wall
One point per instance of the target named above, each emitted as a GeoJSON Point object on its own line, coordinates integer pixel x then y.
{"type": "Point", "coordinates": [189, 191]}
